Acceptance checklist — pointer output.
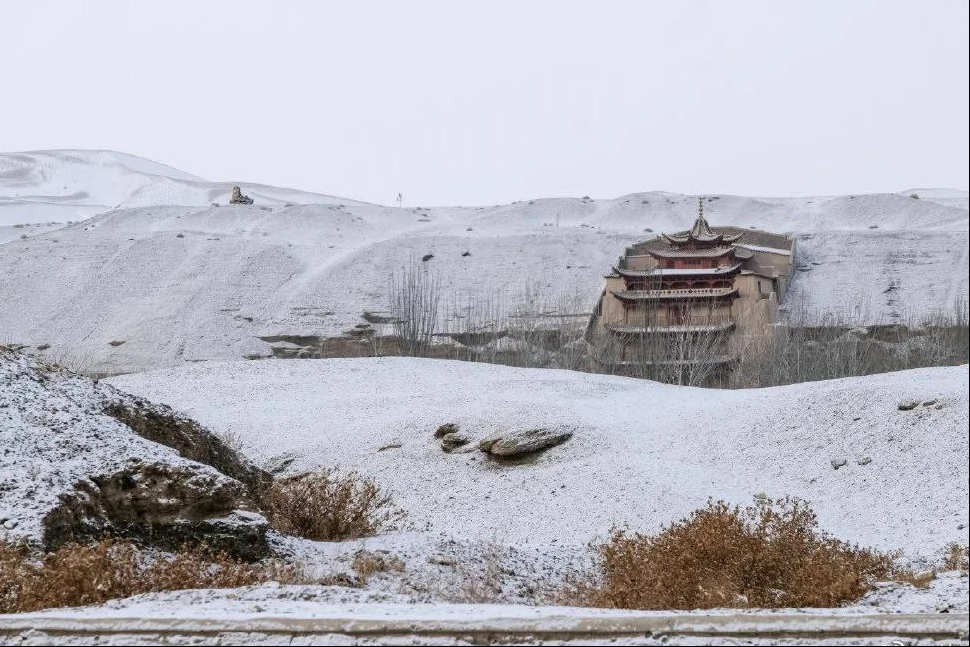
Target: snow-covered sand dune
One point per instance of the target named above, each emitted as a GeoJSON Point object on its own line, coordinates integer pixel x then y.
{"type": "Point", "coordinates": [26, 230]}
{"type": "Point", "coordinates": [194, 282]}
{"type": "Point", "coordinates": [643, 453]}
{"type": "Point", "coordinates": [63, 185]}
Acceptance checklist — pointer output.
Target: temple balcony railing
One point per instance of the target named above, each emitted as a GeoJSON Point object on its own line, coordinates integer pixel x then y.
{"type": "Point", "coordinates": [675, 294]}
{"type": "Point", "coordinates": [650, 328]}
{"type": "Point", "coordinates": [711, 360]}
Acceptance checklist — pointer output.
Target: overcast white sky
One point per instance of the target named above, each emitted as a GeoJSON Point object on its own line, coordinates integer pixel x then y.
{"type": "Point", "coordinates": [483, 102]}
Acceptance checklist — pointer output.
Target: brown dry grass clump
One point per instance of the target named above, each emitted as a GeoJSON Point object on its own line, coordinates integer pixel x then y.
{"type": "Point", "coordinates": [953, 557]}
{"type": "Point", "coordinates": [768, 555]}
{"type": "Point", "coordinates": [77, 575]}
{"type": "Point", "coordinates": [956, 558]}
{"type": "Point", "coordinates": [367, 563]}
{"type": "Point", "coordinates": [329, 506]}
{"type": "Point", "coordinates": [481, 581]}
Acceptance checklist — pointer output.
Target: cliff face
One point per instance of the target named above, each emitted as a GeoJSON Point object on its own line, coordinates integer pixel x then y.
{"type": "Point", "coordinates": [81, 459]}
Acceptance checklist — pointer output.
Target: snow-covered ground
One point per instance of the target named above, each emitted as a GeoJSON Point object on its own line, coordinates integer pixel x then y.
{"type": "Point", "coordinates": [643, 453]}
{"type": "Point", "coordinates": [114, 263]}
{"type": "Point", "coordinates": [304, 615]}
{"type": "Point", "coordinates": [178, 280]}
{"type": "Point", "coordinates": [26, 230]}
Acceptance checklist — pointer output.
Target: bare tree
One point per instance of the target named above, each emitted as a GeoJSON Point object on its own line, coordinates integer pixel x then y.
{"type": "Point", "coordinates": [527, 328]}
{"type": "Point", "coordinates": [415, 295]}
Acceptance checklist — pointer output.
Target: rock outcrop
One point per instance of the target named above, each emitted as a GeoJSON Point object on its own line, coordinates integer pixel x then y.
{"type": "Point", "coordinates": [238, 197]}
{"type": "Point", "coordinates": [524, 441]}
{"type": "Point", "coordinates": [166, 505]}
{"type": "Point", "coordinates": [445, 429]}
{"type": "Point", "coordinates": [453, 441]}
{"type": "Point", "coordinates": [159, 424]}
{"type": "Point", "coordinates": [81, 460]}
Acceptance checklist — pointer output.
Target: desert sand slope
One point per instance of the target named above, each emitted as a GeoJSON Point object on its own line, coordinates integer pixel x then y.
{"type": "Point", "coordinates": [183, 284]}
{"type": "Point", "coordinates": [63, 185]}
{"type": "Point", "coordinates": [149, 285]}
{"type": "Point", "coordinates": [949, 197]}
{"type": "Point", "coordinates": [26, 230]}
{"type": "Point", "coordinates": [642, 454]}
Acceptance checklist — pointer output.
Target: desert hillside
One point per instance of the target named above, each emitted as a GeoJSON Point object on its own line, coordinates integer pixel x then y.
{"type": "Point", "coordinates": [640, 453]}
{"type": "Point", "coordinates": [71, 185]}
{"type": "Point", "coordinates": [166, 278]}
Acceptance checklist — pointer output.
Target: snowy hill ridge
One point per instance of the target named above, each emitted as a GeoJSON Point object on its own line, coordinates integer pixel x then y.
{"type": "Point", "coordinates": [146, 286]}
{"type": "Point", "coordinates": [94, 181]}
{"type": "Point", "coordinates": [62, 185]}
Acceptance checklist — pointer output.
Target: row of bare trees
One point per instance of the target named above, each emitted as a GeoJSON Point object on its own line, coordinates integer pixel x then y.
{"type": "Point", "coordinates": [805, 351]}
{"type": "Point", "coordinates": [524, 328]}
{"type": "Point", "coordinates": [531, 328]}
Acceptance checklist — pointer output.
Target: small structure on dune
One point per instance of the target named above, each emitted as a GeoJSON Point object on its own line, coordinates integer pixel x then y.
{"type": "Point", "coordinates": [238, 197]}
{"type": "Point", "coordinates": [684, 307]}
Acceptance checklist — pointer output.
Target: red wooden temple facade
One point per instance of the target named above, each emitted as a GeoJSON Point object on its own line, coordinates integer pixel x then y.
{"type": "Point", "coordinates": [678, 299]}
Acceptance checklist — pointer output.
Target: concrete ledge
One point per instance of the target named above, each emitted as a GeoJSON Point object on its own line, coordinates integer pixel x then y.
{"type": "Point", "coordinates": [481, 623]}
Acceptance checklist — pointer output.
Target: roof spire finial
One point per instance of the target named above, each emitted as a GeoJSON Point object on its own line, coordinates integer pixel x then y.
{"type": "Point", "coordinates": [701, 233]}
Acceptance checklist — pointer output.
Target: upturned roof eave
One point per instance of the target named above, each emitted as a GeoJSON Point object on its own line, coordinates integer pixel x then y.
{"type": "Point", "coordinates": [625, 295]}
{"type": "Point", "coordinates": [692, 271]}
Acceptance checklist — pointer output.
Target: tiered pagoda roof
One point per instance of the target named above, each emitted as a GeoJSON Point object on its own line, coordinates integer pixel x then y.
{"type": "Point", "coordinates": [706, 252]}
{"type": "Point", "coordinates": [701, 233]}
{"type": "Point", "coordinates": [699, 272]}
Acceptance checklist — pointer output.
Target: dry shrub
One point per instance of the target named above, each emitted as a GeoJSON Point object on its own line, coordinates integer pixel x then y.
{"type": "Point", "coordinates": [329, 506]}
{"type": "Point", "coordinates": [77, 575]}
{"type": "Point", "coordinates": [953, 557]}
{"type": "Point", "coordinates": [919, 579]}
{"type": "Point", "coordinates": [367, 563]}
{"type": "Point", "coordinates": [768, 555]}
{"type": "Point", "coordinates": [482, 582]}
{"type": "Point", "coordinates": [956, 558]}
{"type": "Point", "coordinates": [231, 439]}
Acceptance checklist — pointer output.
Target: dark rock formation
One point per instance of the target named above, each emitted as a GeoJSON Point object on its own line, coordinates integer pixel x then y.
{"type": "Point", "coordinates": [524, 441]}
{"type": "Point", "coordinates": [451, 442]}
{"type": "Point", "coordinates": [238, 197]}
{"type": "Point", "coordinates": [81, 460]}
{"type": "Point", "coordinates": [445, 429]}
{"type": "Point", "coordinates": [161, 504]}
{"type": "Point", "coordinates": [191, 440]}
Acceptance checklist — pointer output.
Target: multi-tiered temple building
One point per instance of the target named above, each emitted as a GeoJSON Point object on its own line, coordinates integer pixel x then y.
{"type": "Point", "coordinates": [691, 301]}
